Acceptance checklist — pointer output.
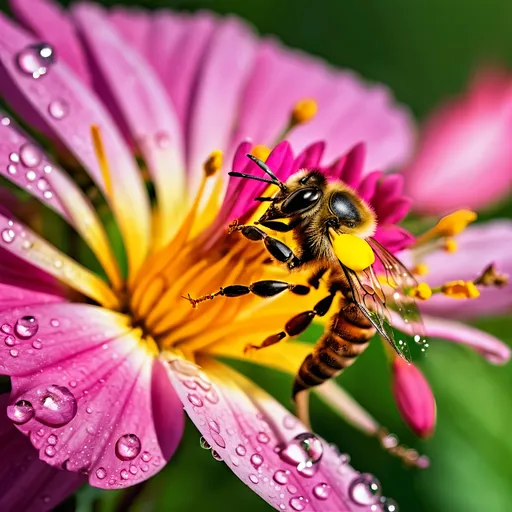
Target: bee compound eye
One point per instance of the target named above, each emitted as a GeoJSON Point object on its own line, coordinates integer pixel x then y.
{"type": "Point", "coordinates": [301, 200]}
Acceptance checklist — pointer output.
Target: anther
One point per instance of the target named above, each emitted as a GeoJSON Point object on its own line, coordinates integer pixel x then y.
{"type": "Point", "coordinates": [213, 163]}
{"type": "Point", "coordinates": [450, 245]}
{"type": "Point", "coordinates": [422, 291]}
{"type": "Point", "coordinates": [421, 269]}
{"type": "Point", "coordinates": [449, 226]}
{"type": "Point", "coordinates": [260, 152]}
{"type": "Point", "coordinates": [303, 111]}
{"type": "Point", "coordinates": [460, 290]}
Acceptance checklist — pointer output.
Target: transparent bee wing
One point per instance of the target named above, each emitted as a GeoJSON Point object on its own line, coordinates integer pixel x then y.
{"type": "Point", "coordinates": [370, 298]}
{"type": "Point", "coordinates": [401, 282]}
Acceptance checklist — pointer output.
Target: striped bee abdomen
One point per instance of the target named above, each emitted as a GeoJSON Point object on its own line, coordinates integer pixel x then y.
{"type": "Point", "coordinates": [346, 337]}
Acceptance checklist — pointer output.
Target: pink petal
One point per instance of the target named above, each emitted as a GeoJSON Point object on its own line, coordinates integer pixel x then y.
{"type": "Point", "coordinates": [478, 246]}
{"type": "Point", "coordinates": [414, 398]}
{"type": "Point", "coordinates": [367, 187]}
{"type": "Point", "coordinates": [42, 16]}
{"type": "Point", "coordinates": [465, 146]}
{"type": "Point", "coordinates": [244, 426]}
{"type": "Point", "coordinates": [144, 106]}
{"type": "Point", "coordinates": [60, 86]}
{"type": "Point", "coordinates": [354, 164]}
{"type": "Point", "coordinates": [12, 296]}
{"type": "Point", "coordinates": [230, 53]}
{"type": "Point", "coordinates": [133, 24]}
{"type": "Point", "coordinates": [27, 483]}
{"type": "Point", "coordinates": [310, 157]}
{"type": "Point", "coordinates": [97, 394]}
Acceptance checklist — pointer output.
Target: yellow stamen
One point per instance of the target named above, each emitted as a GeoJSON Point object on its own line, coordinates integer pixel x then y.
{"type": "Point", "coordinates": [303, 111]}
{"type": "Point", "coordinates": [450, 245]}
{"type": "Point", "coordinates": [353, 252]}
{"type": "Point", "coordinates": [260, 152]}
{"type": "Point", "coordinates": [421, 269]}
{"type": "Point", "coordinates": [101, 155]}
{"type": "Point", "coordinates": [449, 226]}
{"type": "Point", "coordinates": [213, 163]}
{"type": "Point", "coordinates": [460, 290]}
{"type": "Point", "coordinates": [422, 291]}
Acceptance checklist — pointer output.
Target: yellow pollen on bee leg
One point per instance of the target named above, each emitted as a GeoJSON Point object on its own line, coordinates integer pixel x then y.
{"type": "Point", "coordinates": [422, 291]}
{"type": "Point", "coordinates": [460, 290]}
{"type": "Point", "coordinates": [353, 252]}
{"type": "Point", "coordinates": [303, 111]}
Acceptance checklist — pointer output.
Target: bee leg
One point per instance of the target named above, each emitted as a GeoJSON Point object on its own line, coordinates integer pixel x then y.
{"type": "Point", "coordinates": [296, 325]}
{"type": "Point", "coordinates": [265, 289]}
{"type": "Point", "coordinates": [314, 280]}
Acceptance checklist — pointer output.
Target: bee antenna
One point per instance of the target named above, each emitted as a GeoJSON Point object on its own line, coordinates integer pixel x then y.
{"type": "Point", "coordinates": [263, 199]}
{"type": "Point", "coordinates": [265, 168]}
{"type": "Point", "coordinates": [251, 177]}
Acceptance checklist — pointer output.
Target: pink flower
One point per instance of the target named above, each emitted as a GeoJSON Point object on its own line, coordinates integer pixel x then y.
{"type": "Point", "coordinates": [464, 159]}
{"type": "Point", "coordinates": [101, 367]}
{"type": "Point", "coordinates": [414, 398]}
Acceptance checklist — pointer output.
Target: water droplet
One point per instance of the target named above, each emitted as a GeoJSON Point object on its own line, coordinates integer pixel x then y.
{"type": "Point", "coordinates": [42, 184]}
{"type": "Point", "coordinates": [58, 109]}
{"type": "Point", "coordinates": [72, 383]}
{"type": "Point", "coordinates": [203, 443]}
{"type": "Point", "coordinates": [14, 157]}
{"type": "Point", "coordinates": [46, 498]}
{"type": "Point", "coordinates": [289, 422]}
{"type": "Point", "coordinates": [365, 489]}
{"type": "Point", "coordinates": [146, 456]}
{"type": "Point", "coordinates": [263, 438]}
{"type": "Point", "coordinates": [6, 328]}
{"type": "Point", "coordinates": [190, 384]}
{"type": "Point", "coordinates": [216, 455]}
{"type": "Point", "coordinates": [54, 322]}
{"type": "Point", "coordinates": [59, 406]}
{"type": "Point", "coordinates": [35, 59]}
{"type": "Point", "coordinates": [101, 473]}
{"type": "Point", "coordinates": [388, 505]}
{"type": "Point", "coordinates": [203, 382]}
{"type": "Point", "coordinates": [128, 447]}
{"type": "Point", "coordinates": [212, 396]}
{"type": "Point", "coordinates": [298, 503]}
{"type": "Point", "coordinates": [240, 450]}
{"type": "Point", "coordinates": [133, 469]}
{"type": "Point", "coordinates": [13, 352]}
{"type": "Point", "coordinates": [30, 155]}
{"type": "Point", "coordinates": [8, 235]}
{"type": "Point", "coordinates": [37, 344]}
{"type": "Point", "coordinates": [254, 479]}
{"type": "Point", "coordinates": [20, 412]}
{"type": "Point", "coordinates": [9, 340]}
{"type": "Point", "coordinates": [50, 451]}
{"type": "Point", "coordinates": [184, 367]}
{"type": "Point", "coordinates": [281, 477]}
{"type": "Point", "coordinates": [5, 121]}
{"type": "Point", "coordinates": [52, 439]}
{"type": "Point", "coordinates": [291, 489]}
{"type": "Point", "coordinates": [144, 467]}
{"type": "Point", "coordinates": [26, 327]}
{"type": "Point", "coordinates": [11, 169]}
{"type": "Point", "coordinates": [30, 175]}
{"type": "Point", "coordinates": [124, 474]}
{"type": "Point", "coordinates": [214, 426]}
{"type": "Point", "coordinates": [303, 451]}
{"type": "Point", "coordinates": [256, 460]}
{"type": "Point", "coordinates": [88, 410]}
{"type": "Point", "coordinates": [195, 400]}
{"type": "Point", "coordinates": [322, 491]}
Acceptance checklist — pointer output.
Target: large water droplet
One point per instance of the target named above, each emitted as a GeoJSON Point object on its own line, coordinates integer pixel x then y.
{"type": "Point", "coordinates": [365, 489]}
{"type": "Point", "coordinates": [240, 450]}
{"type": "Point", "coordinates": [8, 235]}
{"type": "Point", "coordinates": [254, 479]}
{"type": "Point", "coordinates": [101, 473]}
{"type": "Point", "coordinates": [50, 450]}
{"type": "Point", "coordinates": [216, 455]}
{"type": "Point", "coordinates": [298, 503]}
{"type": "Point", "coordinates": [58, 109]}
{"type": "Point", "coordinates": [218, 439]}
{"type": "Point", "coordinates": [281, 477]}
{"type": "Point", "coordinates": [256, 460]}
{"type": "Point", "coordinates": [20, 412]}
{"type": "Point", "coordinates": [303, 451]}
{"type": "Point", "coordinates": [10, 340]}
{"type": "Point", "coordinates": [322, 491]}
{"type": "Point", "coordinates": [204, 444]}
{"type": "Point", "coordinates": [52, 439]}
{"type": "Point", "coordinates": [35, 59]}
{"type": "Point", "coordinates": [26, 327]}
{"type": "Point", "coordinates": [30, 155]}
{"type": "Point", "coordinates": [388, 505]}
{"type": "Point", "coordinates": [58, 406]}
{"type": "Point", "coordinates": [128, 447]}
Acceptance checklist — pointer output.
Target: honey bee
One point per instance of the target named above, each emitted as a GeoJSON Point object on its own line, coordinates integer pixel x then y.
{"type": "Point", "coordinates": [317, 211]}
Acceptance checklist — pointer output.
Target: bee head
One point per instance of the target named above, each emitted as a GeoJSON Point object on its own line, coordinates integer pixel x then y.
{"type": "Point", "coordinates": [301, 193]}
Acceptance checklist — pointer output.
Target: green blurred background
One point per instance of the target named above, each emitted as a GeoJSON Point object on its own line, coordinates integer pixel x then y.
{"type": "Point", "coordinates": [425, 51]}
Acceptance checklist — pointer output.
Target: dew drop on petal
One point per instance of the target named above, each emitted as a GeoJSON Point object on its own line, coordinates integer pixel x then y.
{"type": "Point", "coordinates": [54, 322]}
{"type": "Point", "coordinates": [59, 406]}
{"type": "Point", "coordinates": [50, 451]}
{"type": "Point", "coordinates": [30, 155]}
{"type": "Point", "coordinates": [146, 456]}
{"type": "Point", "coordinates": [133, 469]}
{"type": "Point", "coordinates": [26, 327]}
{"type": "Point", "coordinates": [388, 505]}
{"type": "Point", "coordinates": [128, 447]}
{"type": "Point", "coordinates": [20, 412]}
{"type": "Point", "coordinates": [216, 455]}
{"type": "Point", "coordinates": [289, 422]}
{"type": "Point", "coordinates": [6, 328]}
{"type": "Point", "coordinates": [37, 344]}
{"type": "Point", "coordinates": [13, 352]}
{"type": "Point", "coordinates": [303, 451]}
{"type": "Point", "coordinates": [8, 235]}
{"type": "Point", "coordinates": [298, 503]}
{"type": "Point", "coordinates": [58, 109]}
{"type": "Point", "coordinates": [214, 426]}
{"type": "Point", "coordinates": [42, 184]}
{"type": "Point", "coordinates": [256, 460]}
{"type": "Point", "coordinates": [240, 450]}
{"type": "Point", "coordinates": [322, 491]}
{"type": "Point", "coordinates": [30, 175]}
{"type": "Point", "coordinates": [14, 157]}
{"type": "Point", "coordinates": [281, 477]}
{"type": "Point", "coordinates": [9, 340]}
{"type": "Point", "coordinates": [203, 443]}
{"type": "Point", "coordinates": [162, 139]}
{"type": "Point", "coordinates": [144, 467]}
{"type": "Point", "coordinates": [52, 439]}
{"type": "Point", "coordinates": [124, 474]}
{"type": "Point", "coordinates": [263, 438]}
{"type": "Point", "coordinates": [254, 479]}
{"type": "Point", "coordinates": [35, 59]}
{"type": "Point", "coordinates": [195, 400]}
{"type": "Point", "coordinates": [365, 489]}
{"type": "Point", "coordinates": [5, 121]}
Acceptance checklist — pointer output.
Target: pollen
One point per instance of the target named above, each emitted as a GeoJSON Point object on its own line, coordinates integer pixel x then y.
{"type": "Point", "coordinates": [303, 111]}
{"type": "Point", "coordinates": [213, 163]}
{"type": "Point", "coordinates": [422, 292]}
{"type": "Point", "coordinates": [455, 223]}
{"type": "Point", "coordinates": [261, 152]}
{"type": "Point", "coordinates": [353, 252]}
{"type": "Point", "coordinates": [421, 269]}
{"type": "Point", "coordinates": [460, 290]}
{"type": "Point", "coordinates": [450, 245]}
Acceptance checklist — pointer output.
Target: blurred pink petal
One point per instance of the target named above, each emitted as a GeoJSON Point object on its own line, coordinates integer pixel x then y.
{"type": "Point", "coordinates": [465, 157]}
{"type": "Point", "coordinates": [27, 483]}
{"type": "Point", "coordinates": [99, 402]}
{"type": "Point", "coordinates": [413, 397]}
{"type": "Point", "coordinates": [42, 17]}
{"type": "Point", "coordinates": [70, 109]}
{"type": "Point", "coordinates": [478, 246]}
{"type": "Point", "coordinates": [244, 426]}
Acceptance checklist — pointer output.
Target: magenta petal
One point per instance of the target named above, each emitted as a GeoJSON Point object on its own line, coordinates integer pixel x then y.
{"type": "Point", "coordinates": [310, 157]}
{"type": "Point", "coordinates": [96, 394]}
{"type": "Point", "coordinates": [27, 483]}
{"type": "Point", "coordinates": [246, 427]}
{"type": "Point", "coordinates": [42, 17]}
{"type": "Point", "coordinates": [367, 187]}
{"type": "Point", "coordinates": [354, 164]}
